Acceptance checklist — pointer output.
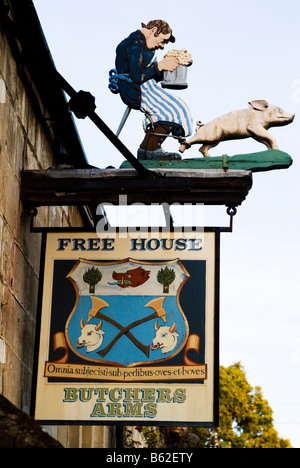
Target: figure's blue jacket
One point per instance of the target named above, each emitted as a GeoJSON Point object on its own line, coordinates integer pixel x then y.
{"type": "Point", "coordinates": [134, 59]}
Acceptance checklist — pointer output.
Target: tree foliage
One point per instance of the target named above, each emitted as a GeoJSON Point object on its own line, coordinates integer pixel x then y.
{"type": "Point", "coordinates": [166, 277]}
{"type": "Point", "coordinates": [92, 277]}
{"type": "Point", "coordinates": [246, 419]}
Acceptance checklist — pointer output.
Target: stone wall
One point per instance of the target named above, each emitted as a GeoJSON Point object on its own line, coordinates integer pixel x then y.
{"type": "Point", "coordinates": [26, 142]}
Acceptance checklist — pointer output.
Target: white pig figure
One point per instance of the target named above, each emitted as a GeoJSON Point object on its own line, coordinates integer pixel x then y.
{"type": "Point", "coordinates": [253, 122]}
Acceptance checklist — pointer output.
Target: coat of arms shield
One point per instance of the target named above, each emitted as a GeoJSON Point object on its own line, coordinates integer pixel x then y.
{"type": "Point", "coordinates": [127, 313]}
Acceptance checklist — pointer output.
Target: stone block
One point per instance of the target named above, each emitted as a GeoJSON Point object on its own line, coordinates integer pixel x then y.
{"type": "Point", "coordinates": [17, 430]}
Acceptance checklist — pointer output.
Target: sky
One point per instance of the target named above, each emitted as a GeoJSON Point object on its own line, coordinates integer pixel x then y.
{"type": "Point", "coordinates": [242, 51]}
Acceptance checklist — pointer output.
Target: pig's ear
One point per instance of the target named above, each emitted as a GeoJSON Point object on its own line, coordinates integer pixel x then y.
{"type": "Point", "coordinates": [260, 105]}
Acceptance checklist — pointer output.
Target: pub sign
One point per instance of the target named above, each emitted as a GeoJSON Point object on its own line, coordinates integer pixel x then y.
{"type": "Point", "coordinates": [129, 329]}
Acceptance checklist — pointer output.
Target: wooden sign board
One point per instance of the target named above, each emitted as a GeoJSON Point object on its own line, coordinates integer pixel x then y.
{"type": "Point", "coordinates": [129, 329]}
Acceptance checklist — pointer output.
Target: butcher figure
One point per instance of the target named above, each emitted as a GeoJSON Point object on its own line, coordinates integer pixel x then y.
{"type": "Point", "coordinates": [138, 73]}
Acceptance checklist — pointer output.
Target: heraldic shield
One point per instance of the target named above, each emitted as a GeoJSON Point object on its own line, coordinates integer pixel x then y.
{"type": "Point", "coordinates": [127, 313]}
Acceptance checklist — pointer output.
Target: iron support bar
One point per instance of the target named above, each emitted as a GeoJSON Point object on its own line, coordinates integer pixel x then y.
{"type": "Point", "coordinates": [121, 147]}
{"type": "Point", "coordinates": [101, 125]}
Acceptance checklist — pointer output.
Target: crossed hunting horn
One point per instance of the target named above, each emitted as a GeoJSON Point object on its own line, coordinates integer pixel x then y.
{"type": "Point", "coordinates": [99, 304]}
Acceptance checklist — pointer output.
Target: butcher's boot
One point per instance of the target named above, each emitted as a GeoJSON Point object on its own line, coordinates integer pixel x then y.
{"type": "Point", "coordinates": [151, 149]}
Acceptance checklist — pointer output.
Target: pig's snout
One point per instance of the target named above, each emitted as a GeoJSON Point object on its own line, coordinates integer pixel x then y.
{"type": "Point", "coordinates": [283, 117]}
{"type": "Point", "coordinates": [287, 117]}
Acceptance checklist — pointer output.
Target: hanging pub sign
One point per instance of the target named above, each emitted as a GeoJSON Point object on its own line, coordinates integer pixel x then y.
{"type": "Point", "coordinates": [129, 329]}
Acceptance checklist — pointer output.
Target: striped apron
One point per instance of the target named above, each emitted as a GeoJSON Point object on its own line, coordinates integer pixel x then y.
{"type": "Point", "coordinates": [162, 106]}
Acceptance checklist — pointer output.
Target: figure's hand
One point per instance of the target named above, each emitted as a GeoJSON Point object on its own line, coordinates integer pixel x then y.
{"type": "Point", "coordinates": [168, 64]}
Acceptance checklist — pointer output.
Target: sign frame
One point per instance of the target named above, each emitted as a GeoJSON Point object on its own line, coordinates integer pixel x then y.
{"type": "Point", "coordinates": [213, 370]}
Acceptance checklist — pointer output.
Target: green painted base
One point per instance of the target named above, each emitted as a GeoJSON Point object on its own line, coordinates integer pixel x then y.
{"type": "Point", "coordinates": [255, 162]}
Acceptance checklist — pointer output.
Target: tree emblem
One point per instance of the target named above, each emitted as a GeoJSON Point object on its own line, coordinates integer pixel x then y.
{"type": "Point", "coordinates": [92, 277]}
{"type": "Point", "coordinates": [166, 277]}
